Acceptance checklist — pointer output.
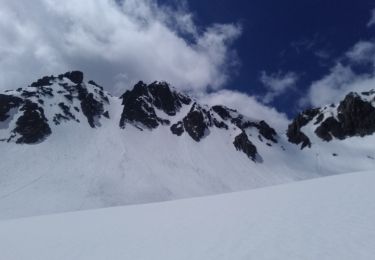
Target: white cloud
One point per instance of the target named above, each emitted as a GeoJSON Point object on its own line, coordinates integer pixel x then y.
{"type": "Point", "coordinates": [372, 19]}
{"type": "Point", "coordinates": [248, 106]}
{"type": "Point", "coordinates": [277, 84]}
{"type": "Point", "coordinates": [342, 79]}
{"type": "Point", "coordinates": [114, 45]}
{"type": "Point", "coordinates": [362, 52]}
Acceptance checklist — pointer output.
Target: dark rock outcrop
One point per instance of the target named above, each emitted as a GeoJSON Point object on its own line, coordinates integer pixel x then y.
{"type": "Point", "coordinates": [294, 133]}
{"type": "Point", "coordinates": [140, 103]}
{"type": "Point", "coordinates": [355, 117]}
{"type": "Point", "coordinates": [138, 108]}
{"type": "Point", "coordinates": [223, 112]}
{"type": "Point", "coordinates": [197, 122]}
{"type": "Point", "coordinates": [266, 131]}
{"type": "Point", "coordinates": [164, 99]}
{"type": "Point", "coordinates": [7, 102]}
{"type": "Point", "coordinates": [42, 82]}
{"type": "Point", "coordinates": [74, 76]}
{"type": "Point", "coordinates": [91, 107]}
{"type": "Point", "coordinates": [242, 143]}
{"type": "Point", "coordinates": [178, 128]}
{"type": "Point", "coordinates": [32, 126]}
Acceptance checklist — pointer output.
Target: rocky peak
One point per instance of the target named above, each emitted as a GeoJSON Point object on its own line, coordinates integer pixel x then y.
{"type": "Point", "coordinates": [353, 116]}
{"type": "Point", "coordinates": [29, 113]}
{"type": "Point", "coordinates": [143, 101]}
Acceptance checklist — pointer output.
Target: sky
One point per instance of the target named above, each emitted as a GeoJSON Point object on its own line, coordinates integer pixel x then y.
{"type": "Point", "coordinates": [269, 58]}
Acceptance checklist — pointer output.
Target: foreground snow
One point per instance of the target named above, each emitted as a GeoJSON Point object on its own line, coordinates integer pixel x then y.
{"type": "Point", "coordinates": [327, 218]}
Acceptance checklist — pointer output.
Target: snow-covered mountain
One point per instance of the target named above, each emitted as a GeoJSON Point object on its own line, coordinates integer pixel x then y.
{"type": "Point", "coordinates": [67, 144]}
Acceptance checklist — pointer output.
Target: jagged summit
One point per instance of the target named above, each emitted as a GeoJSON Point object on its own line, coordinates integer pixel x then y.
{"type": "Point", "coordinates": [157, 104]}
{"type": "Point", "coordinates": [30, 113]}
{"type": "Point", "coordinates": [153, 143]}
{"type": "Point", "coordinates": [353, 116]}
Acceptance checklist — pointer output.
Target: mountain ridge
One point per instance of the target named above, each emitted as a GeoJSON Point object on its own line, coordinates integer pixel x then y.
{"type": "Point", "coordinates": [151, 144]}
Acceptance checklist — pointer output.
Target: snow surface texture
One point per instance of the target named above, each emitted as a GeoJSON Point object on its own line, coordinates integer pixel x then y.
{"type": "Point", "coordinates": [327, 218]}
{"type": "Point", "coordinates": [79, 166]}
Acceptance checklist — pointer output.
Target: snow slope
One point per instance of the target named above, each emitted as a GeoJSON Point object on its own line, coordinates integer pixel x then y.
{"type": "Point", "coordinates": [79, 167]}
{"type": "Point", "coordinates": [326, 218]}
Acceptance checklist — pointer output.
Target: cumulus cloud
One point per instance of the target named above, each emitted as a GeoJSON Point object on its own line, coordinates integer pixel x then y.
{"type": "Point", "coordinates": [248, 106]}
{"type": "Point", "coordinates": [277, 84]}
{"type": "Point", "coordinates": [115, 43]}
{"type": "Point", "coordinates": [343, 78]}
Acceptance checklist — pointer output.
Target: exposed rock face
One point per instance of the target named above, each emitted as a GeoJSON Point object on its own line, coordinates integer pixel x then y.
{"type": "Point", "coordinates": [62, 95]}
{"type": "Point", "coordinates": [329, 127]}
{"type": "Point", "coordinates": [138, 108]}
{"type": "Point", "coordinates": [67, 98]}
{"type": "Point", "coordinates": [238, 120]}
{"type": "Point", "coordinates": [355, 117]}
{"type": "Point", "coordinates": [178, 128]}
{"type": "Point", "coordinates": [266, 131]}
{"type": "Point", "coordinates": [43, 82]}
{"type": "Point", "coordinates": [223, 112]}
{"type": "Point", "coordinates": [166, 100]}
{"type": "Point", "coordinates": [7, 102]}
{"type": "Point", "coordinates": [294, 133]}
{"type": "Point", "coordinates": [91, 107]}
{"type": "Point", "coordinates": [242, 143]}
{"type": "Point", "coordinates": [141, 102]}
{"type": "Point", "coordinates": [197, 122]}
{"type": "Point", "coordinates": [32, 126]}
{"type": "Point", "coordinates": [75, 76]}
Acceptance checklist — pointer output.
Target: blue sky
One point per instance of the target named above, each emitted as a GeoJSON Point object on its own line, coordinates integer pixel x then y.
{"type": "Point", "coordinates": [305, 37]}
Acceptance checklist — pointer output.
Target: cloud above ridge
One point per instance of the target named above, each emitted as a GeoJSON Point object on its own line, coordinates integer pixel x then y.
{"type": "Point", "coordinates": [277, 84]}
{"type": "Point", "coordinates": [248, 106]}
{"type": "Point", "coordinates": [344, 77]}
{"type": "Point", "coordinates": [114, 44]}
